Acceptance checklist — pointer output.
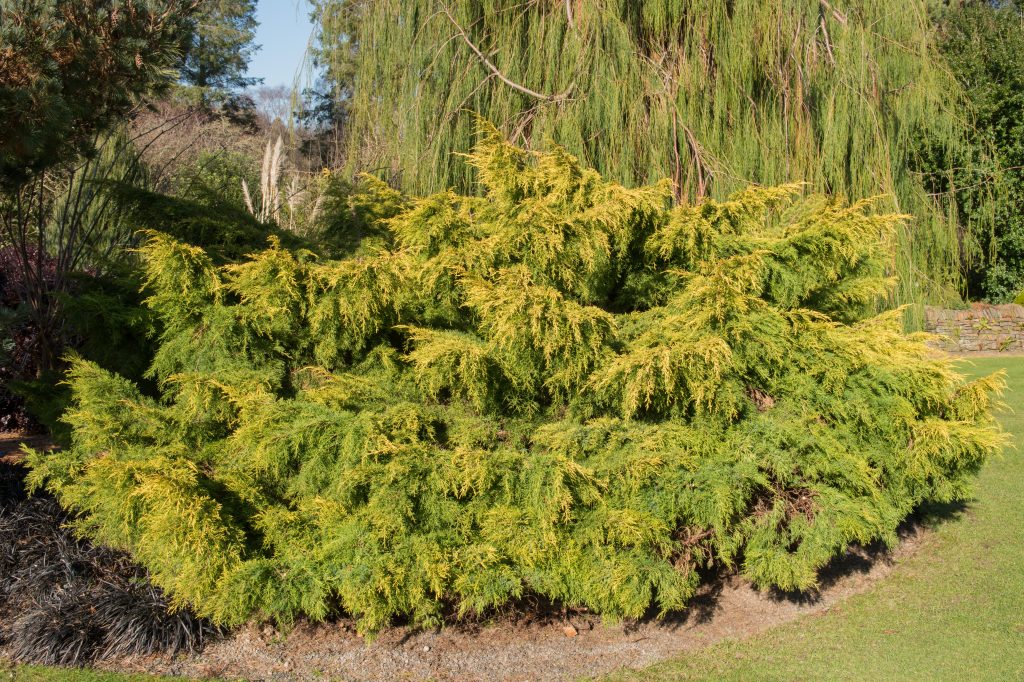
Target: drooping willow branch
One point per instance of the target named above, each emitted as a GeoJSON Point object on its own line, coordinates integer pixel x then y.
{"type": "Point", "coordinates": [868, 80]}
{"type": "Point", "coordinates": [497, 72]}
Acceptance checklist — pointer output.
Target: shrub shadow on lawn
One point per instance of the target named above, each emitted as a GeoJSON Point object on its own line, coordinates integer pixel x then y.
{"type": "Point", "coordinates": [854, 566]}
{"type": "Point", "coordinates": [860, 560]}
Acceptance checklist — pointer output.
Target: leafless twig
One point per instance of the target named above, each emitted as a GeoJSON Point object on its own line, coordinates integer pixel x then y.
{"type": "Point", "coordinates": [840, 17]}
{"type": "Point", "coordinates": [504, 79]}
{"type": "Point", "coordinates": [701, 168]}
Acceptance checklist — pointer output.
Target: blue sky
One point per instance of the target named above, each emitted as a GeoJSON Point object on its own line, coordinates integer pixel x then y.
{"type": "Point", "coordinates": [284, 34]}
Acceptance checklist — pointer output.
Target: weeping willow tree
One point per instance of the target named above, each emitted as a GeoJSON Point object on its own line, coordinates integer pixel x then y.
{"type": "Point", "coordinates": [712, 94]}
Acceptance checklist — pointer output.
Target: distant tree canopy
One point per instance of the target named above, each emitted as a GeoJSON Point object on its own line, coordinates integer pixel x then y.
{"type": "Point", "coordinates": [983, 41]}
{"type": "Point", "coordinates": [713, 95]}
{"type": "Point", "coordinates": [70, 68]}
{"type": "Point", "coordinates": [335, 56]}
{"type": "Point", "coordinates": [220, 45]}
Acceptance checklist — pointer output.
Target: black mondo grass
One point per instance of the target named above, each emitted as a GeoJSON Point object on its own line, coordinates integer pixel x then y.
{"type": "Point", "coordinates": [138, 621]}
{"type": "Point", "coordinates": [12, 488]}
{"type": "Point", "coordinates": [59, 630]}
{"type": "Point", "coordinates": [37, 550]}
{"type": "Point", "coordinates": [65, 601]}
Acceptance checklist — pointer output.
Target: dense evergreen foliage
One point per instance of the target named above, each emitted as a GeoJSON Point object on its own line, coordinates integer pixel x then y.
{"type": "Point", "coordinates": [219, 46]}
{"type": "Point", "coordinates": [70, 72]}
{"type": "Point", "coordinates": [562, 387]}
{"type": "Point", "coordinates": [336, 54]}
{"type": "Point", "coordinates": [222, 228]}
{"type": "Point", "coordinates": [712, 94]}
{"type": "Point", "coordinates": [70, 69]}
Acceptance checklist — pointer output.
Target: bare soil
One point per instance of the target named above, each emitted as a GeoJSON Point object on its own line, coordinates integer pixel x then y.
{"type": "Point", "coordinates": [11, 445]}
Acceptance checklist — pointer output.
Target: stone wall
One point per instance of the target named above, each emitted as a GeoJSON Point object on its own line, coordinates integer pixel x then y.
{"type": "Point", "coordinates": [989, 328]}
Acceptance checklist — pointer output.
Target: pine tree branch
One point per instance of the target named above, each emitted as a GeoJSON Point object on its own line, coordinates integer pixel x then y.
{"type": "Point", "coordinates": [497, 72]}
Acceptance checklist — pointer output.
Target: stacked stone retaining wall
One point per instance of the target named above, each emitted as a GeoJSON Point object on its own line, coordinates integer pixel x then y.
{"type": "Point", "coordinates": [982, 328]}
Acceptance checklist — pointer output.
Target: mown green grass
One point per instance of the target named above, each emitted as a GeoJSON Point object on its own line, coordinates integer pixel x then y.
{"type": "Point", "coordinates": [38, 673]}
{"type": "Point", "coordinates": [952, 611]}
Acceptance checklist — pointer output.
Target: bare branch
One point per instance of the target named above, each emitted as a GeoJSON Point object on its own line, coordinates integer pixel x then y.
{"type": "Point", "coordinates": [504, 79]}
{"type": "Point", "coordinates": [700, 166]}
{"type": "Point", "coordinates": [677, 174]}
{"type": "Point", "coordinates": [840, 17]}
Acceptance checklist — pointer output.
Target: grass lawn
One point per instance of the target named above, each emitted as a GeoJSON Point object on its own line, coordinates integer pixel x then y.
{"type": "Point", "coordinates": [953, 611]}
{"type": "Point", "coordinates": [38, 673]}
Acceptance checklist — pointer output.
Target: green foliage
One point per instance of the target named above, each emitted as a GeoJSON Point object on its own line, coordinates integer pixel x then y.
{"type": "Point", "coordinates": [983, 43]}
{"type": "Point", "coordinates": [353, 214]}
{"type": "Point", "coordinates": [947, 598]}
{"type": "Point", "coordinates": [215, 178]}
{"type": "Point", "coordinates": [69, 276]}
{"type": "Point", "coordinates": [69, 69]}
{"type": "Point", "coordinates": [103, 319]}
{"type": "Point", "coordinates": [714, 95]}
{"type": "Point", "coordinates": [106, 323]}
{"type": "Point", "coordinates": [563, 387]}
{"type": "Point", "coordinates": [336, 45]}
{"type": "Point", "coordinates": [220, 45]}
{"type": "Point", "coordinates": [225, 229]}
